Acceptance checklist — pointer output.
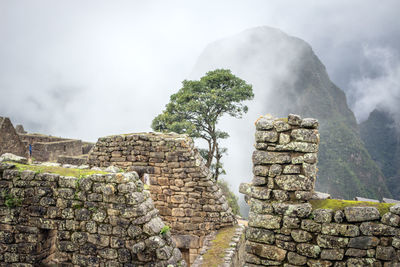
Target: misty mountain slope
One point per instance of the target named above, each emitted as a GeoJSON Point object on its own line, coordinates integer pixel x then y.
{"type": "Point", "coordinates": [287, 77]}
{"type": "Point", "coordinates": [382, 139]}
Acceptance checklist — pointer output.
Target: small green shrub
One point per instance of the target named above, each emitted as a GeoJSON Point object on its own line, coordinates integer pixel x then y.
{"type": "Point", "coordinates": [165, 230]}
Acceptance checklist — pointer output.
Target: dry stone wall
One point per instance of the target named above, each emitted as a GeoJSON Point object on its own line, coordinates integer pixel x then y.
{"type": "Point", "coordinates": [284, 230]}
{"type": "Point", "coordinates": [99, 220]}
{"type": "Point", "coordinates": [9, 140]}
{"type": "Point", "coordinates": [180, 184]}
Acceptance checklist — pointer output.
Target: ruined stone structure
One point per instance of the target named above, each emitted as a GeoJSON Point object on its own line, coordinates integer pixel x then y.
{"type": "Point", "coordinates": [180, 184]}
{"type": "Point", "coordinates": [49, 148]}
{"type": "Point", "coordinates": [98, 220]}
{"type": "Point", "coordinates": [9, 140]}
{"type": "Point", "coordinates": [283, 228]}
{"type": "Point", "coordinates": [44, 147]}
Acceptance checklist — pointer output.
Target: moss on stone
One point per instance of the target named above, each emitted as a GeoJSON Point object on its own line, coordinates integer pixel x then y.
{"type": "Point", "coordinates": [215, 255]}
{"type": "Point", "coordinates": [78, 173]}
{"type": "Point", "coordinates": [337, 204]}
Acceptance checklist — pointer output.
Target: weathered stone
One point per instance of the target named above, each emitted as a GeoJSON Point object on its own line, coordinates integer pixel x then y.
{"type": "Point", "coordinates": [294, 119]}
{"type": "Point", "coordinates": [308, 250]}
{"type": "Point", "coordinates": [298, 147]}
{"type": "Point", "coordinates": [260, 207]}
{"type": "Point", "coordinates": [291, 222]}
{"type": "Point", "coordinates": [318, 263]}
{"type": "Point", "coordinates": [274, 170]}
{"type": "Point", "coordinates": [391, 219]}
{"type": "Point", "coordinates": [340, 229]}
{"type": "Point", "coordinates": [280, 195]}
{"type": "Point", "coordinates": [323, 215]}
{"type": "Point", "coordinates": [284, 138]}
{"type": "Point", "coordinates": [296, 259]}
{"type": "Point", "coordinates": [305, 135]}
{"type": "Point", "coordinates": [281, 126]}
{"type": "Point", "coordinates": [363, 242]}
{"type": "Point", "coordinates": [266, 251]}
{"type": "Point", "coordinates": [258, 192]}
{"type": "Point", "coordinates": [266, 221]}
{"type": "Point", "coordinates": [260, 235]}
{"type": "Point", "coordinates": [339, 216]}
{"type": "Point", "coordinates": [354, 252]}
{"type": "Point", "coordinates": [266, 136]}
{"type": "Point", "coordinates": [385, 253]}
{"type": "Point", "coordinates": [395, 209]}
{"type": "Point", "coordinates": [286, 245]}
{"type": "Point", "coordinates": [294, 182]}
{"type": "Point", "coordinates": [309, 123]}
{"type": "Point", "coordinates": [396, 242]}
{"type": "Point", "coordinates": [372, 228]}
{"type": "Point", "coordinates": [264, 123]}
{"type": "Point", "coordinates": [356, 262]}
{"type": "Point", "coordinates": [291, 169]}
{"type": "Point", "coordinates": [260, 170]}
{"type": "Point", "coordinates": [294, 210]}
{"type": "Point", "coordinates": [311, 226]}
{"type": "Point", "coordinates": [301, 236]}
{"type": "Point", "coordinates": [267, 157]}
{"type": "Point", "coordinates": [327, 241]}
{"type": "Point", "coordinates": [332, 254]}
{"type": "Point", "coordinates": [361, 214]}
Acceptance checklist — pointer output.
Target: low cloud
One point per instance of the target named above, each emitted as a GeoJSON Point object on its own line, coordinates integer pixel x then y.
{"type": "Point", "coordinates": [379, 85]}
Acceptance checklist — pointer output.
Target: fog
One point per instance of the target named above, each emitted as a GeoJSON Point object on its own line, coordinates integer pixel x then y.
{"type": "Point", "coordinates": [86, 69]}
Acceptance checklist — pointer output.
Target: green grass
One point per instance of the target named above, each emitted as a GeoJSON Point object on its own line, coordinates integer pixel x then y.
{"type": "Point", "coordinates": [336, 204]}
{"type": "Point", "coordinates": [215, 255]}
{"type": "Point", "coordinates": [78, 173]}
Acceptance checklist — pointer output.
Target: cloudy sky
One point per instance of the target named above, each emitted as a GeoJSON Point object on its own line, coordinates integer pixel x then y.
{"type": "Point", "coordinates": [86, 69]}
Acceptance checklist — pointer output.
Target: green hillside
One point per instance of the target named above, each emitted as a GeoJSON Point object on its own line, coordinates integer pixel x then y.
{"type": "Point", "coordinates": [382, 140]}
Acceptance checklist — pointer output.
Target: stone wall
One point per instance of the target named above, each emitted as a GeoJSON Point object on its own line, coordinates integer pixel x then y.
{"type": "Point", "coordinates": [9, 141]}
{"type": "Point", "coordinates": [180, 184]}
{"type": "Point", "coordinates": [48, 148]}
{"type": "Point", "coordinates": [283, 228]}
{"type": "Point", "coordinates": [98, 220]}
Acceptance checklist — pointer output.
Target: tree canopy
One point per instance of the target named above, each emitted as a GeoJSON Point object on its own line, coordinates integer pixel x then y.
{"type": "Point", "coordinates": [197, 107]}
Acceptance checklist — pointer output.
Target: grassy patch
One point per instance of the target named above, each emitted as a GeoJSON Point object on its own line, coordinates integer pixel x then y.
{"type": "Point", "coordinates": [337, 204]}
{"type": "Point", "coordinates": [78, 173]}
{"type": "Point", "coordinates": [215, 255]}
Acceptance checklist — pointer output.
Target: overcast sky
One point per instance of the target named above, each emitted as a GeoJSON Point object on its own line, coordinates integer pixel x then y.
{"type": "Point", "coordinates": [86, 69]}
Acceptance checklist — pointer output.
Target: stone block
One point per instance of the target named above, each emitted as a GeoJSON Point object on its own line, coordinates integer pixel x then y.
{"type": "Point", "coordinates": [294, 182]}
{"type": "Point", "coordinates": [363, 242]}
{"type": "Point", "coordinates": [266, 221]}
{"type": "Point", "coordinates": [328, 241]}
{"type": "Point", "coordinates": [266, 136]}
{"type": "Point", "coordinates": [301, 236]}
{"type": "Point", "coordinates": [260, 235]}
{"type": "Point", "coordinates": [267, 157]}
{"type": "Point", "coordinates": [348, 230]}
{"type": "Point", "coordinates": [361, 214]}
{"type": "Point", "coordinates": [294, 210]}
{"type": "Point", "coordinates": [308, 250]}
{"type": "Point", "coordinates": [296, 259]}
{"type": "Point", "coordinates": [266, 251]}
{"type": "Point", "coordinates": [332, 254]}
{"type": "Point", "coordinates": [391, 219]}
{"type": "Point", "coordinates": [372, 228]}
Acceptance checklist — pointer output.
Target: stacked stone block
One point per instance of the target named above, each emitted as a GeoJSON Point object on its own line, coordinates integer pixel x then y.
{"type": "Point", "coordinates": [284, 230]}
{"type": "Point", "coordinates": [99, 220]}
{"type": "Point", "coordinates": [181, 186]}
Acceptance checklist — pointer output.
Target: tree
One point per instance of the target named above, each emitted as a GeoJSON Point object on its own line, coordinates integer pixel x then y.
{"type": "Point", "coordinates": [198, 106]}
